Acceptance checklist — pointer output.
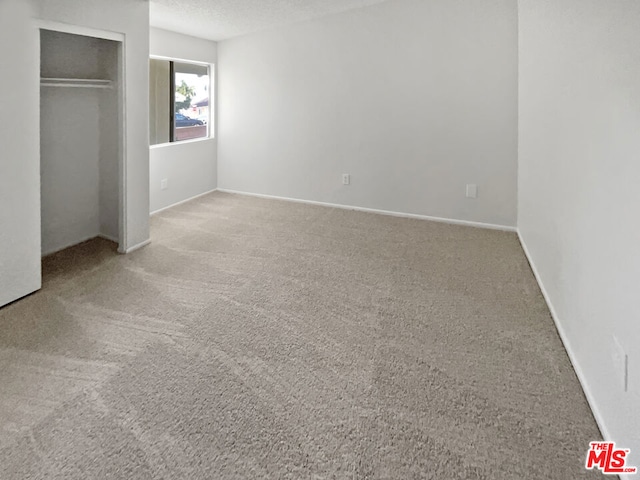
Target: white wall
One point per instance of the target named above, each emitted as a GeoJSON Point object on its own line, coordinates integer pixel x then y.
{"type": "Point", "coordinates": [414, 99]}
{"type": "Point", "coordinates": [130, 17]}
{"type": "Point", "coordinates": [579, 201]}
{"type": "Point", "coordinates": [19, 154]}
{"type": "Point", "coordinates": [110, 138]}
{"type": "Point", "coordinates": [190, 168]}
{"type": "Point", "coordinates": [69, 167]}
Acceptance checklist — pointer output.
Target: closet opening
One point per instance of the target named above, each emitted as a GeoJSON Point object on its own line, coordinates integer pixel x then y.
{"type": "Point", "coordinates": [81, 139]}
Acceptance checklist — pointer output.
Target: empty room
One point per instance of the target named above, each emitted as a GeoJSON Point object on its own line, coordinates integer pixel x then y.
{"type": "Point", "coordinates": [319, 239]}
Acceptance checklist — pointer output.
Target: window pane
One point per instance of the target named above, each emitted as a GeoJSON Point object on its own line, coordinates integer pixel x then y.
{"type": "Point", "coordinates": [191, 108]}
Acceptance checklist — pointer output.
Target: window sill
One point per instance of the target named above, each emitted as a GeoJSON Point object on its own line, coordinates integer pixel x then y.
{"type": "Point", "coordinates": [181, 142]}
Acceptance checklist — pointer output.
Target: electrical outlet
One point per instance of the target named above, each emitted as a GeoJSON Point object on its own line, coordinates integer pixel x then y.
{"type": "Point", "coordinates": [346, 179]}
{"type": "Point", "coordinates": [164, 184]}
{"type": "Point", "coordinates": [620, 363]}
{"type": "Point", "coordinates": [472, 190]}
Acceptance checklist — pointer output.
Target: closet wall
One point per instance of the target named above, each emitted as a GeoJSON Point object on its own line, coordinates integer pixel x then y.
{"type": "Point", "coordinates": [20, 153]}
{"type": "Point", "coordinates": [80, 142]}
{"type": "Point", "coordinates": [129, 18]}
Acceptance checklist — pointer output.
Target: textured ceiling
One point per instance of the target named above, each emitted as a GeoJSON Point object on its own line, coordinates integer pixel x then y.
{"type": "Point", "coordinates": [222, 19]}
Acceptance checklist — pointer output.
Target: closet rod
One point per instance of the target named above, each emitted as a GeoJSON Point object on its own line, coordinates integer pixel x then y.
{"type": "Point", "coordinates": [75, 83]}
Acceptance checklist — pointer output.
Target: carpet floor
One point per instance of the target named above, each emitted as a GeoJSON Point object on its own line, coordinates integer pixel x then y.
{"type": "Point", "coordinates": [265, 339]}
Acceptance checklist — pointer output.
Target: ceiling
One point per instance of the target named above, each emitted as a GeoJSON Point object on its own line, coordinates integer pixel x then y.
{"type": "Point", "coordinates": [223, 19]}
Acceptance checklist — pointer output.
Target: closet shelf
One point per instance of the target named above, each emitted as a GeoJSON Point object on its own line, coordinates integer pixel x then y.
{"type": "Point", "coordinates": [75, 83]}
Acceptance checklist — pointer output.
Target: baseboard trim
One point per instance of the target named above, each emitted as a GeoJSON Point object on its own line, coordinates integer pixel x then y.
{"type": "Point", "coordinates": [183, 201]}
{"type": "Point", "coordinates": [567, 346]}
{"type": "Point", "coordinates": [450, 221]}
{"type": "Point", "coordinates": [135, 247]}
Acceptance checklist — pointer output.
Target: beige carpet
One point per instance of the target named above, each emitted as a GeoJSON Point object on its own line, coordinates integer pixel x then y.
{"type": "Point", "coordinates": [263, 339]}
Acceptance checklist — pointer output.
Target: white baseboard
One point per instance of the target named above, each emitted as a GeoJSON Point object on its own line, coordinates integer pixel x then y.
{"type": "Point", "coordinates": [567, 345]}
{"type": "Point", "coordinates": [182, 201]}
{"type": "Point", "coordinates": [451, 221]}
{"type": "Point", "coordinates": [136, 247]}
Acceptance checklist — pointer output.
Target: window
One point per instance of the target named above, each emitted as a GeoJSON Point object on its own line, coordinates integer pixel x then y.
{"type": "Point", "coordinates": [179, 100]}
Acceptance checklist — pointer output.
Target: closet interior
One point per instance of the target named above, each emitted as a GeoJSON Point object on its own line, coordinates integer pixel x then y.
{"type": "Point", "coordinates": [80, 139]}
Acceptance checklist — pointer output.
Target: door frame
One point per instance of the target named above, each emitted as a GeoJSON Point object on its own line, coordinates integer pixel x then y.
{"type": "Point", "coordinates": [120, 38]}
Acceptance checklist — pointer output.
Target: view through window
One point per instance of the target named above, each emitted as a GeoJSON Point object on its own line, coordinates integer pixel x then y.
{"type": "Point", "coordinates": [179, 101]}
